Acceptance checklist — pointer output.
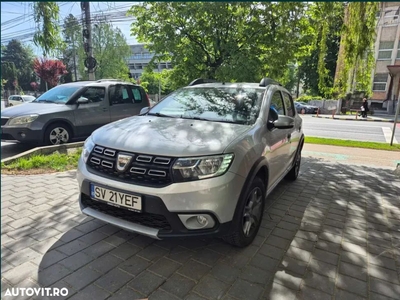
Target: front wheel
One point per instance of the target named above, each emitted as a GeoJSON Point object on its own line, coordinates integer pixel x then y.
{"type": "Point", "coordinates": [249, 215]}
{"type": "Point", "coordinates": [57, 134]}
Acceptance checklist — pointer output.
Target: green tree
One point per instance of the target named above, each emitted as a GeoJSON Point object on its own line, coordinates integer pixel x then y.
{"type": "Point", "coordinates": [46, 16]}
{"type": "Point", "coordinates": [358, 42]}
{"type": "Point", "coordinates": [72, 33]}
{"type": "Point", "coordinates": [317, 70]}
{"type": "Point", "coordinates": [220, 40]}
{"type": "Point", "coordinates": [111, 51]}
{"type": "Point", "coordinates": [21, 57]}
{"type": "Point", "coordinates": [151, 81]}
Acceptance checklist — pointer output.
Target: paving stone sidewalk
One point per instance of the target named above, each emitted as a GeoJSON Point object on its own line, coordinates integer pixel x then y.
{"type": "Point", "coordinates": [332, 234]}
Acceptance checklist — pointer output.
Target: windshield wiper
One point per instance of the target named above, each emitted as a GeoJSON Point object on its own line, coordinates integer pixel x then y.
{"type": "Point", "coordinates": [46, 101]}
{"type": "Point", "coordinates": [196, 118]}
{"type": "Point", "coordinates": [160, 115]}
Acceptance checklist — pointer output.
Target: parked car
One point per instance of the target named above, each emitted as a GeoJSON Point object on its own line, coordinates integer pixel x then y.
{"type": "Point", "coordinates": [308, 109]}
{"type": "Point", "coordinates": [72, 110]}
{"type": "Point", "coordinates": [199, 163]}
{"type": "Point", "coordinates": [19, 99]}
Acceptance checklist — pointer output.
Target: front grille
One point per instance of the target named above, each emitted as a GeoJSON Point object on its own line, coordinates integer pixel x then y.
{"type": "Point", "coordinates": [4, 121]}
{"type": "Point", "coordinates": [147, 170]}
{"type": "Point", "coordinates": [7, 137]}
{"type": "Point", "coordinates": [145, 219]}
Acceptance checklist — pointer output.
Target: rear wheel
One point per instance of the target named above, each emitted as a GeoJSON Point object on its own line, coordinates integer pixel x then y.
{"type": "Point", "coordinates": [249, 215]}
{"type": "Point", "coordinates": [9, 105]}
{"type": "Point", "coordinates": [294, 171]}
{"type": "Point", "coordinates": [57, 134]}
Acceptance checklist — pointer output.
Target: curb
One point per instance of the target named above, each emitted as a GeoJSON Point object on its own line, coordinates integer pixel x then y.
{"type": "Point", "coordinates": [42, 150]}
{"type": "Point", "coordinates": [350, 119]}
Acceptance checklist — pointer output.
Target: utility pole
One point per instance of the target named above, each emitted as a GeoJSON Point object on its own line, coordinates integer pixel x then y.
{"type": "Point", "coordinates": [74, 54]}
{"type": "Point", "coordinates": [90, 62]}
{"type": "Point", "coordinates": [395, 120]}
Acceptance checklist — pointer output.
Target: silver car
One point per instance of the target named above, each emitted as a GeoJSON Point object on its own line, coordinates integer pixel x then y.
{"type": "Point", "coordinates": [71, 111]}
{"type": "Point", "coordinates": [199, 163]}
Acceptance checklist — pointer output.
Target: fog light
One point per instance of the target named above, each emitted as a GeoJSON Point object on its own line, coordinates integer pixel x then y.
{"type": "Point", "coordinates": [202, 220]}
{"type": "Point", "coordinates": [23, 135]}
{"type": "Point", "coordinates": [193, 222]}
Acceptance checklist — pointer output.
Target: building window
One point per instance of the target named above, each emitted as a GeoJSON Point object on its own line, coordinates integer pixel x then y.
{"type": "Point", "coordinates": [398, 51]}
{"type": "Point", "coordinates": [385, 54]}
{"type": "Point", "coordinates": [386, 45]}
{"type": "Point", "coordinates": [380, 81]}
{"type": "Point", "coordinates": [385, 50]}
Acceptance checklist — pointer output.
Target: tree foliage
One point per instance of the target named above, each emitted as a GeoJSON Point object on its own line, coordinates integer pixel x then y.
{"type": "Point", "coordinates": [49, 70]}
{"type": "Point", "coordinates": [72, 33]}
{"type": "Point", "coordinates": [111, 51]}
{"type": "Point", "coordinates": [225, 41]}
{"type": "Point", "coordinates": [151, 81]}
{"type": "Point", "coordinates": [317, 70]}
{"type": "Point", "coordinates": [358, 41]}
{"type": "Point", "coordinates": [21, 57]}
{"type": "Point", "coordinates": [46, 16]}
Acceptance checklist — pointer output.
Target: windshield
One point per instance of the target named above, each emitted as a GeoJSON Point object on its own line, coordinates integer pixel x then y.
{"type": "Point", "coordinates": [59, 94]}
{"type": "Point", "coordinates": [231, 104]}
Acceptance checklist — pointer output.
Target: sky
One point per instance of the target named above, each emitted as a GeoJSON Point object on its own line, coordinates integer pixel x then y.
{"type": "Point", "coordinates": [17, 19]}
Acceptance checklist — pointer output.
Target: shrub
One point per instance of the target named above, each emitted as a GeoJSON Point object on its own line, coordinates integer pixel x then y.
{"type": "Point", "coordinates": [308, 98]}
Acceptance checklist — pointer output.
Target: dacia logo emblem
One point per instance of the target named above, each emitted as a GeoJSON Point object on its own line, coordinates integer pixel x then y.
{"type": "Point", "coordinates": [123, 161]}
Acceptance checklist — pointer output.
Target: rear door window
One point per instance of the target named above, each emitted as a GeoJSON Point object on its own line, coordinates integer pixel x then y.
{"type": "Point", "coordinates": [137, 95]}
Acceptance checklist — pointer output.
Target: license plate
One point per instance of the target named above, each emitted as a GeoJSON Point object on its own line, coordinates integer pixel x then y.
{"type": "Point", "coordinates": [115, 198]}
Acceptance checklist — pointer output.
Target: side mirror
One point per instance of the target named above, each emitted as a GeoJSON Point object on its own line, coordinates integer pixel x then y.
{"type": "Point", "coordinates": [144, 110]}
{"type": "Point", "coordinates": [82, 100]}
{"type": "Point", "coordinates": [284, 122]}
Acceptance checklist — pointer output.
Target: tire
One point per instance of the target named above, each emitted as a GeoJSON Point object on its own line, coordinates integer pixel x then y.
{"type": "Point", "coordinates": [57, 133]}
{"type": "Point", "coordinates": [294, 171]}
{"type": "Point", "coordinates": [9, 105]}
{"type": "Point", "coordinates": [255, 193]}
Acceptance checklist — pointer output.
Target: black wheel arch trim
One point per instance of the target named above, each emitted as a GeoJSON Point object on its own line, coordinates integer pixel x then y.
{"type": "Point", "coordinates": [259, 163]}
{"type": "Point", "coordinates": [59, 120]}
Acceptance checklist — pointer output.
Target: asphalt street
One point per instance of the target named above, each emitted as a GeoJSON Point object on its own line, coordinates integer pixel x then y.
{"type": "Point", "coordinates": [349, 130]}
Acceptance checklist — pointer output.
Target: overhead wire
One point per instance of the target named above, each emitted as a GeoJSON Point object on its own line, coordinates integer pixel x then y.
{"type": "Point", "coordinates": [113, 17]}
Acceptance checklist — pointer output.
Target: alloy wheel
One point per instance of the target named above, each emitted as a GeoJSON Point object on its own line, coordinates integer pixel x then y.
{"type": "Point", "coordinates": [252, 211]}
{"type": "Point", "coordinates": [58, 136]}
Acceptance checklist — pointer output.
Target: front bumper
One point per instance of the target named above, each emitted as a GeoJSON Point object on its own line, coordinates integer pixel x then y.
{"type": "Point", "coordinates": [162, 207]}
{"type": "Point", "coordinates": [21, 134]}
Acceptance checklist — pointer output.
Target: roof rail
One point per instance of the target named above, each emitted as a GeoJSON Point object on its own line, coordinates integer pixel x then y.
{"type": "Point", "coordinates": [266, 81]}
{"type": "Point", "coordinates": [201, 81]}
{"type": "Point", "coordinates": [102, 80]}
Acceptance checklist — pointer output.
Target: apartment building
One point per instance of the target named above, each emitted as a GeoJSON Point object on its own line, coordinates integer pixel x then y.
{"type": "Point", "coordinates": [140, 58]}
{"type": "Point", "coordinates": [385, 81]}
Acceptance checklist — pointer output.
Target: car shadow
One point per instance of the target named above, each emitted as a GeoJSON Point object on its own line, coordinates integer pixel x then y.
{"type": "Point", "coordinates": [11, 149]}
{"type": "Point", "coordinates": [332, 210]}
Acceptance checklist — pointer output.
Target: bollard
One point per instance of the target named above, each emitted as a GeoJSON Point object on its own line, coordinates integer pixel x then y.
{"type": "Point", "coordinates": [357, 115]}
{"type": "Point", "coordinates": [302, 111]}
{"type": "Point", "coordinates": [317, 111]}
{"type": "Point", "coordinates": [333, 113]}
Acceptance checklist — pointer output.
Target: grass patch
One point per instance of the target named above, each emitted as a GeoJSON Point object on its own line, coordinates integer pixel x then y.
{"type": "Point", "coordinates": [350, 143]}
{"type": "Point", "coordinates": [36, 164]}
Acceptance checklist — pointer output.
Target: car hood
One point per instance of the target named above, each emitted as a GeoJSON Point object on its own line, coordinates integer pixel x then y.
{"type": "Point", "coordinates": [168, 136]}
{"type": "Point", "coordinates": [33, 108]}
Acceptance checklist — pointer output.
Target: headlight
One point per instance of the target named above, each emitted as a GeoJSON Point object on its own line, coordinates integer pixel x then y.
{"type": "Point", "coordinates": [87, 148]}
{"type": "Point", "coordinates": [188, 169]}
{"type": "Point", "coordinates": [23, 120]}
